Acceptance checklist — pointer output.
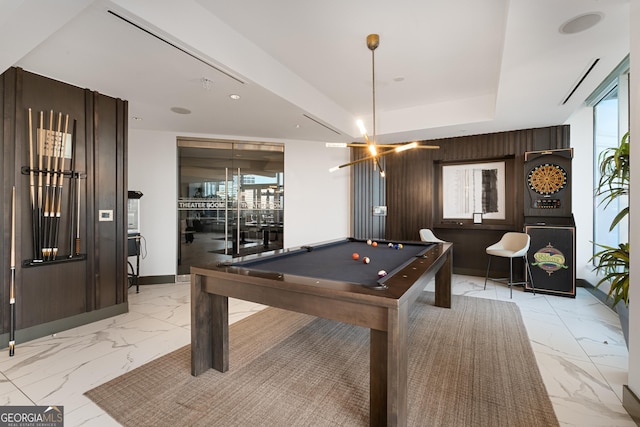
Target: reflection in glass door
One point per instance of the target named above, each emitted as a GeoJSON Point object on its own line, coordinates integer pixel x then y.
{"type": "Point", "coordinates": [258, 213]}
{"type": "Point", "coordinates": [230, 200]}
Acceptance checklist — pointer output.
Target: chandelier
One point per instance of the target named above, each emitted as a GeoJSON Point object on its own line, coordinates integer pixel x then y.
{"type": "Point", "coordinates": [373, 41]}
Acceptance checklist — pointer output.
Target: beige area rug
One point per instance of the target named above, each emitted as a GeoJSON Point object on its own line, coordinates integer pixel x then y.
{"type": "Point", "coordinates": [471, 365]}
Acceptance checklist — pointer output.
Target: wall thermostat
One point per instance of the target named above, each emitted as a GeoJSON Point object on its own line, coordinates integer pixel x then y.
{"type": "Point", "coordinates": [105, 215]}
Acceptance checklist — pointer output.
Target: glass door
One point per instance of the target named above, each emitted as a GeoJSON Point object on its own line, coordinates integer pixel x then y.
{"type": "Point", "coordinates": [230, 200]}
{"type": "Point", "coordinates": [258, 211]}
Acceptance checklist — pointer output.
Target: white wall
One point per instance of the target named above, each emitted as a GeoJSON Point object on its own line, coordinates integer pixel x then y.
{"type": "Point", "coordinates": [152, 168]}
{"type": "Point", "coordinates": [316, 203]}
{"type": "Point", "coordinates": [581, 123]}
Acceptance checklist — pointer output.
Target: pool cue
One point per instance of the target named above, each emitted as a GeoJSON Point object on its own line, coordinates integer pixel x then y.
{"type": "Point", "coordinates": [72, 193]}
{"type": "Point", "coordinates": [46, 246]}
{"type": "Point", "coordinates": [55, 176]}
{"type": "Point", "coordinates": [56, 224]}
{"type": "Point", "coordinates": [32, 193]}
{"type": "Point", "coordinates": [40, 149]}
{"type": "Point", "coordinates": [77, 240]}
{"type": "Point", "coordinates": [12, 289]}
{"type": "Point", "coordinates": [72, 214]}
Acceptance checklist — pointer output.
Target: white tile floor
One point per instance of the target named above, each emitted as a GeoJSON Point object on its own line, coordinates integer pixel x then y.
{"type": "Point", "coordinates": [578, 345]}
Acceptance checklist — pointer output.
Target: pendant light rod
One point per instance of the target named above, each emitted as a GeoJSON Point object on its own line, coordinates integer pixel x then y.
{"type": "Point", "coordinates": [373, 41]}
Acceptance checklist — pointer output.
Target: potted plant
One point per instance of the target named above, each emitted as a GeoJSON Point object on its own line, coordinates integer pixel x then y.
{"type": "Point", "coordinates": [613, 262]}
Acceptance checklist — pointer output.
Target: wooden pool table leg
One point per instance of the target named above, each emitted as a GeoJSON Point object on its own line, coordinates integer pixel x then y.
{"type": "Point", "coordinates": [443, 282]}
{"type": "Point", "coordinates": [388, 376]}
{"type": "Point", "coordinates": [209, 329]}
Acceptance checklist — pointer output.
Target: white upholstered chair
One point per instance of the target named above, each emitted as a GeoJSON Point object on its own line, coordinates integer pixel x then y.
{"type": "Point", "coordinates": [426, 235]}
{"type": "Point", "coordinates": [512, 245]}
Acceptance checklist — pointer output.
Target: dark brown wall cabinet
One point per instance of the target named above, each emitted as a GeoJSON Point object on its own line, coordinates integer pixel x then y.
{"type": "Point", "coordinates": [78, 286]}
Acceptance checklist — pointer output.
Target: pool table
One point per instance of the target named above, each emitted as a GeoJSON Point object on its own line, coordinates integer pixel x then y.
{"type": "Point", "coordinates": [325, 281]}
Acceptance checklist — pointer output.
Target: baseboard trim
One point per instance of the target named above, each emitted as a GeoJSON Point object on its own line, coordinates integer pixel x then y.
{"type": "Point", "coordinates": [597, 292]}
{"type": "Point", "coordinates": [631, 403]}
{"type": "Point", "coordinates": [469, 272]}
{"type": "Point", "coordinates": [156, 280]}
{"type": "Point", "coordinates": [50, 328]}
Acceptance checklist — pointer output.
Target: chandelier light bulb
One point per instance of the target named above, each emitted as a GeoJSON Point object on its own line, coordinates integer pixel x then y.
{"type": "Point", "coordinates": [363, 130]}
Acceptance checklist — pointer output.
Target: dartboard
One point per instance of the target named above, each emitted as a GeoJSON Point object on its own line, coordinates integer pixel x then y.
{"type": "Point", "coordinates": [547, 179]}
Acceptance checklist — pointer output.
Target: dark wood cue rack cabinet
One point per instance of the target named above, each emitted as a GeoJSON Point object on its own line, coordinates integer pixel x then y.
{"type": "Point", "coordinates": [89, 282]}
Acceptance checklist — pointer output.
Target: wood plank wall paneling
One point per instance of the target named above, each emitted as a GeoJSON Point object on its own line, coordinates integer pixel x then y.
{"type": "Point", "coordinates": [410, 193]}
{"type": "Point", "coordinates": [361, 196]}
{"type": "Point", "coordinates": [54, 292]}
{"type": "Point", "coordinates": [7, 88]}
{"type": "Point", "coordinates": [105, 156]}
{"type": "Point", "coordinates": [368, 190]}
{"type": "Point", "coordinates": [88, 209]}
{"type": "Point", "coordinates": [109, 194]}
{"type": "Point", "coordinates": [122, 197]}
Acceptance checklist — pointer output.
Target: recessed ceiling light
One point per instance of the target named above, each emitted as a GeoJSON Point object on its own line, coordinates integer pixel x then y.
{"type": "Point", "coordinates": [581, 23]}
{"type": "Point", "coordinates": [180, 110]}
{"type": "Point", "coordinates": [234, 96]}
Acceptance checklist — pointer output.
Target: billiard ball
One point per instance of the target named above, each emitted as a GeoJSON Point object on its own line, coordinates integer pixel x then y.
{"type": "Point", "coordinates": [374, 244]}
{"type": "Point", "coordinates": [369, 242]}
{"type": "Point", "coordinates": [382, 273]}
{"type": "Point", "coordinates": [355, 256]}
{"type": "Point", "coordinates": [391, 245]}
{"type": "Point", "coordinates": [400, 246]}
{"type": "Point", "coordinates": [366, 260]}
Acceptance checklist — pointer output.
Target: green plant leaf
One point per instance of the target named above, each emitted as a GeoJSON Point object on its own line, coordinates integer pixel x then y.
{"type": "Point", "coordinates": [613, 264]}
{"type": "Point", "coordinates": [621, 215]}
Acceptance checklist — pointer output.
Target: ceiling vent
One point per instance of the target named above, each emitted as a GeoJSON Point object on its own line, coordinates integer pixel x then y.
{"type": "Point", "coordinates": [322, 124]}
{"type": "Point", "coordinates": [175, 46]}
{"type": "Point", "coordinates": [584, 76]}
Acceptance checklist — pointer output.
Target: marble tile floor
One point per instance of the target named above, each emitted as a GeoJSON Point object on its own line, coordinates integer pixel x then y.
{"type": "Point", "coordinates": [578, 345]}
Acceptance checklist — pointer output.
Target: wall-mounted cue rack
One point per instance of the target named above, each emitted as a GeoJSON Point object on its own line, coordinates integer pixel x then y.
{"type": "Point", "coordinates": [47, 172]}
{"type": "Point", "coordinates": [64, 149]}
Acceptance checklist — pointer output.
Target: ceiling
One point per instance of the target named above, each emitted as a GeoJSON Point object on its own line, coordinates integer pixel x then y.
{"type": "Point", "coordinates": [303, 70]}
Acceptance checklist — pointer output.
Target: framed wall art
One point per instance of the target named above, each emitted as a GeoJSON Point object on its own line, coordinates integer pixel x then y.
{"type": "Point", "coordinates": [475, 192]}
{"type": "Point", "coordinates": [474, 188]}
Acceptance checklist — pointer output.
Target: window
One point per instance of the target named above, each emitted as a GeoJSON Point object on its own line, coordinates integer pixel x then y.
{"type": "Point", "coordinates": [611, 121]}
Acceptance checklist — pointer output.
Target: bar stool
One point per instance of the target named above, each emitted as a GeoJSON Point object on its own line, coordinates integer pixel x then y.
{"type": "Point", "coordinates": [426, 235]}
{"type": "Point", "coordinates": [511, 245]}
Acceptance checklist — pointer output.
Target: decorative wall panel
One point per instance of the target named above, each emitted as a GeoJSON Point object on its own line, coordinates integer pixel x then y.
{"type": "Point", "coordinates": [93, 180]}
